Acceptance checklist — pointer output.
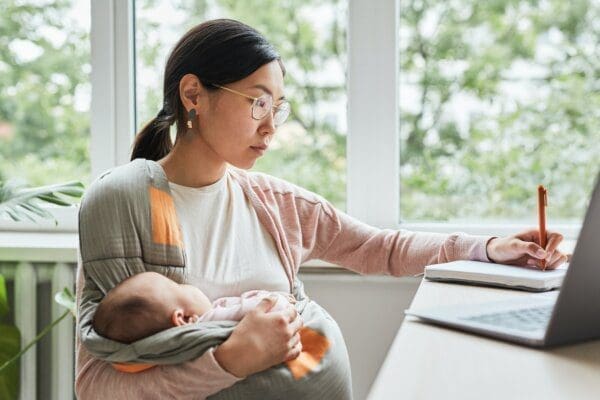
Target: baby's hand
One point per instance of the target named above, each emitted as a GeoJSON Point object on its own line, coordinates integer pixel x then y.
{"type": "Point", "coordinates": [291, 298]}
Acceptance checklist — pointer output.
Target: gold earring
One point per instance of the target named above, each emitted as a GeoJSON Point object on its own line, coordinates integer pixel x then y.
{"type": "Point", "coordinates": [191, 118]}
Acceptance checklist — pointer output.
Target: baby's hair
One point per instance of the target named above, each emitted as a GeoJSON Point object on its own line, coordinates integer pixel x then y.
{"type": "Point", "coordinates": [126, 317]}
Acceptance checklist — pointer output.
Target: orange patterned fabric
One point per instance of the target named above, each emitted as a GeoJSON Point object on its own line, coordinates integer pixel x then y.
{"type": "Point", "coordinates": [132, 368]}
{"type": "Point", "coordinates": [165, 229]}
{"type": "Point", "coordinates": [314, 347]}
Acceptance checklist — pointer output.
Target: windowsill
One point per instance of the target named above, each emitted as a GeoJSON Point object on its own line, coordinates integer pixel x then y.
{"type": "Point", "coordinates": [38, 246]}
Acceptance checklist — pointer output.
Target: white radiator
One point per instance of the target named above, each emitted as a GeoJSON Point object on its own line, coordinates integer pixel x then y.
{"type": "Point", "coordinates": [47, 369]}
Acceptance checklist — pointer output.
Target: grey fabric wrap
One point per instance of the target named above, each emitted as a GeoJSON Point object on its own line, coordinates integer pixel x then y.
{"type": "Point", "coordinates": [116, 242]}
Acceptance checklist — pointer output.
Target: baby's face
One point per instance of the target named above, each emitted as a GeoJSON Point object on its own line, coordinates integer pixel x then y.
{"type": "Point", "coordinates": [169, 297]}
{"type": "Point", "coordinates": [192, 300]}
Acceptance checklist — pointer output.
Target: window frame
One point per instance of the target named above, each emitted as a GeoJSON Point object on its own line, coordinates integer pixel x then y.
{"type": "Point", "coordinates": [373, 142]}
{"type": "Point", "coordinates": [112, 116]}
{"type": "Point", "coordinates": [113, 83]}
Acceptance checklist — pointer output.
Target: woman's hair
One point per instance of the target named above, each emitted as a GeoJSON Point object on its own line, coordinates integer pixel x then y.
{"type": "Point", "coordinates": [218, 52]}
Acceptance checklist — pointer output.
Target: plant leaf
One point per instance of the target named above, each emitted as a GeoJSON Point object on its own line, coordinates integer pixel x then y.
{"type": "Point", "coordinates": [66, 299]}
{"type": "Point", "coordinates": [16, 215]}
{"type": "Point", "coordinates": [10, 343]}
{"type": "Point", "coordinates": [36, 210]}
{"type": "Point", "coordinates": [53, 199]}
{"type": "Point", "coordinates": [3, 298]}
{"type": "Point", "coordinates": [13, 196]}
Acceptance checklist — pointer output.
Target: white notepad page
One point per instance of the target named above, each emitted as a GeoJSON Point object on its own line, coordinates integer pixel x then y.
{"type": "Point", "coordinates": [482, 273]}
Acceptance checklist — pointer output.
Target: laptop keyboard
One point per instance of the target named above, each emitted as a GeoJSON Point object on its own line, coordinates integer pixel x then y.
{"type": "Point", "coordinates": [525, 319]}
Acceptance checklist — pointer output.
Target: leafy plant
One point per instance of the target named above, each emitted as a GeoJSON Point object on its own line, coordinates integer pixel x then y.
{"type": "Point", "coordinates": [64, 298]}
{"type": "Point", "coordinates": [10, 340]}
{"type": "Point", "coordinates": [19, 202]}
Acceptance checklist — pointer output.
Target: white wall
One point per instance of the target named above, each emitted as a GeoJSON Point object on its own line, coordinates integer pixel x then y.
{"type": "Point", "coordinates": [369, 311]}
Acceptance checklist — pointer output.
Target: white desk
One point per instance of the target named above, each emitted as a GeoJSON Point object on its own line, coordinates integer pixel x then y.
{"type": "Point", "coordinates": [429, 362]}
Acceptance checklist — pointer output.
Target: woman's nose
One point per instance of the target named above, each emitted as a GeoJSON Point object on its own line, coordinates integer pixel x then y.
{"type": "Point", "coordinates": [267, 124]}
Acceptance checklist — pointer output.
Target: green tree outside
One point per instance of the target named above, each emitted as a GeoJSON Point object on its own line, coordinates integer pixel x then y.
{"type": "Point", "coordinates": [44, 93]}
{"type": "Point", "coordinates": [485, 51]}
{"type": "Point", "coordinates": [470, 148]}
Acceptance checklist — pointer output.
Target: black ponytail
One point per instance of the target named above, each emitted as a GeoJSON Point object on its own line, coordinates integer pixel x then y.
{"type": "Point", "coordinates": [153, 142]}
{"type": "Point", "coordinates": [218, 52]}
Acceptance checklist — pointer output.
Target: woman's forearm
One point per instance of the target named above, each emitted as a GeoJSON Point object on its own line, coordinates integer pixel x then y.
{"type": "Point", "coordinates": [230, 359]}
{"type": "Point", "coordinates": [195, 379]}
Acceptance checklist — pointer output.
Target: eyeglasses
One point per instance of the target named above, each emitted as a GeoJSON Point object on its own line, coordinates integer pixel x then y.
{"type": "Point", "coordinates": [263, 105]}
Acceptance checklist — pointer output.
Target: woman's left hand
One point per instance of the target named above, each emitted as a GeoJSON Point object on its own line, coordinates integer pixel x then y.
{"type": "Point", "coordinates": [524, 249]}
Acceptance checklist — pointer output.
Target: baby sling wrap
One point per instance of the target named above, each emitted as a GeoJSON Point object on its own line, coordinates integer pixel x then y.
{"type": "Point", "coordinates": [128, 225]}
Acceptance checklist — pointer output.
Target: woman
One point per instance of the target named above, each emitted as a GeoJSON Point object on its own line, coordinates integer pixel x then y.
{"type": "Point", "coordinates": [223, 88]}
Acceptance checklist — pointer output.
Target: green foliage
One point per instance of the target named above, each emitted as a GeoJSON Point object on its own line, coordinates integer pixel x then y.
{"type": "Point", "coordinates": [19, 202]}
{"type": "Point", "coordinates": [44, 91]}
{"type": "Point", "coordinates": [3, 298]}
{"type": "Point", "coordinates": [64, 298]}
{"type": "Point", "coordinates": [67, 300]}
{"type": "Point", "coordinates": [10, 342]}
{"type": "Point", "coordinates": [501, 96]}
{"type": "Point", "coordinates": [505, 98]}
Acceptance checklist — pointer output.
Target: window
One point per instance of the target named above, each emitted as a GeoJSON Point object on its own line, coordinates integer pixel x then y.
{"type": "Point", "coordinates": [496, 98]}
{"type": "Point", "coordinates": [44, 91]}
{"type": "Point", "coordinates": [309, 149]}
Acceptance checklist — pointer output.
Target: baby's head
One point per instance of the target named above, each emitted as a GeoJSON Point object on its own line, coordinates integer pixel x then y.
{"type": "Point", "coordinates": [145, 304]}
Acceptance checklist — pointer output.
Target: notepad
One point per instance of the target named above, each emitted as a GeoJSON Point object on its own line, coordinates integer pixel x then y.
{"type": "Point", "coordinates": [489, 274]}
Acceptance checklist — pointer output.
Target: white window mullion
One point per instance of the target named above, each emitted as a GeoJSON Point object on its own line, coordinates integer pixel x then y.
{"type": "Point", "coordinates": [125, 79]}
{"type": "Point", "coordinates": [112, 77]}
{"type": "Point", "coordinates": [373, 186]}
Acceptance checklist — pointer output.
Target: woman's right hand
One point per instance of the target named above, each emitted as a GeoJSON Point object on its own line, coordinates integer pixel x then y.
{"type": "Point", "coordinates": [261, 340]}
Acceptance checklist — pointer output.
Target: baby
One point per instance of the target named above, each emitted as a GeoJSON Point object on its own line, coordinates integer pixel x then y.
{"type": "Point", "coordinates": [149, 302]}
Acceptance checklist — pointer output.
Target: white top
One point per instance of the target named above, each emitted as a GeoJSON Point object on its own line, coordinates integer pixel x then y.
{"type": "Point", "coordinates": [228, 250]}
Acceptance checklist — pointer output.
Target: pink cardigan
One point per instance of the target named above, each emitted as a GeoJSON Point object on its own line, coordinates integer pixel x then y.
{"type": "Point", "coordinates": [304, 226]}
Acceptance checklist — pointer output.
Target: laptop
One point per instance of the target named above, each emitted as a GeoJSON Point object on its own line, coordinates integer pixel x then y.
{"type": "Point", "coordinates": [548, 319]}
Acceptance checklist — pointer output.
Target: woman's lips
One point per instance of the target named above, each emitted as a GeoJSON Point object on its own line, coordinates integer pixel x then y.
{"type": "Point", "coordinates": [260, 150]}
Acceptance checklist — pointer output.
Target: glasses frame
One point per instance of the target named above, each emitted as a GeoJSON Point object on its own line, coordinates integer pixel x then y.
{"type": "Point", "coordinates": [283, 106]}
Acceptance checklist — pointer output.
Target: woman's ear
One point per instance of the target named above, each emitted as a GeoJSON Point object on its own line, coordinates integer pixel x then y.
{"type": "Point", "coordinates": [189, 90]}
{"type": "Point", "coordinates": [190, 93]}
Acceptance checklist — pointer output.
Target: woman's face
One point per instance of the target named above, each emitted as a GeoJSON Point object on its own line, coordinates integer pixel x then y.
{"type": "Point", "coordinates": [227, 125]}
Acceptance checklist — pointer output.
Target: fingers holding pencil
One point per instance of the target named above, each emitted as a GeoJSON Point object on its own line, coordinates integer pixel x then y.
{"type": "Point", "coordinates": [534, 247]}
{"type": "Point", "coordinates": [554, 258]}
{"type": "Point", "coordinates": [523, 249]}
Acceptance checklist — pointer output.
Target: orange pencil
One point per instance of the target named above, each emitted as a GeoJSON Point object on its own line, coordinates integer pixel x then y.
{"type": "Point", "coordinates": [542, 204]}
